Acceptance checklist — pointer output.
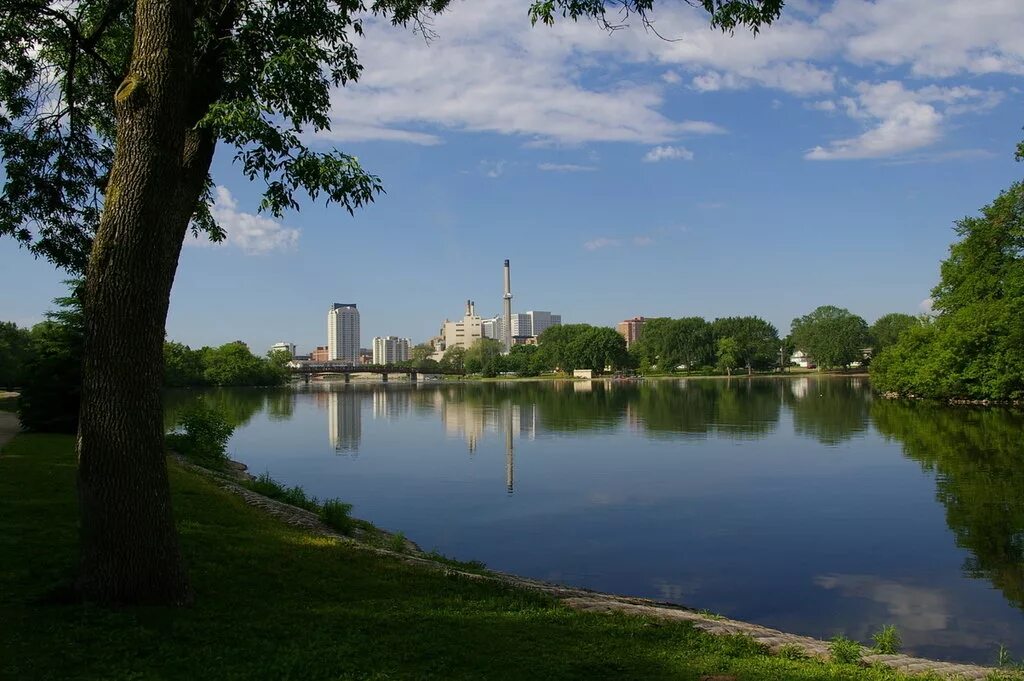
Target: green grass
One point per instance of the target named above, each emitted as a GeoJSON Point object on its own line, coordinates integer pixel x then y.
{"type": "Point", "coordinates": [272, 602]}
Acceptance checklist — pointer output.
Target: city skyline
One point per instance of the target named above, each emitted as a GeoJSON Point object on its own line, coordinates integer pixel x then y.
{"type": "Point", "coordinates": [822, 162]}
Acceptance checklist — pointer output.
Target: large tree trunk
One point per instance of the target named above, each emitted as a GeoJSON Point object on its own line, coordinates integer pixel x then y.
{"type": "Point", "coordinates": [129, 546]}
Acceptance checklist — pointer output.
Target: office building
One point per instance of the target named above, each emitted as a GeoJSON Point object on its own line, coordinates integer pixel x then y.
{"type": "Point", "coordinates": [533, 323]}
{"type": "Point", "coordinates": [320, 354]}
{"type": "Point", "coordinates": [343, 333]}
{"type": "Point", "coordinates": [390, 349]}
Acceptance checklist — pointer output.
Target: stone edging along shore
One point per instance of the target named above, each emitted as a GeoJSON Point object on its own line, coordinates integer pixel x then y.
{"type": "Point", "coordinates": [592, 601]}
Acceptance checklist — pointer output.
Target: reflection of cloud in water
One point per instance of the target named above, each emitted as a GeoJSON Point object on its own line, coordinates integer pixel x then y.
{"type": "Point", "coordinates": [675, 593]}
{"type": "Point", "coordinates": [915, 608]}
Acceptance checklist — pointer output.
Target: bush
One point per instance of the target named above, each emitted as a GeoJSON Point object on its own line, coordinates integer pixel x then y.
{"type": "Point", "coordinates": [887, 640]}
{"type": "Point", "coordinates": [52, 375]}
{"type": "Point", "coordinates": [844, 650]}
{"type": "Point", "coordinates": [204, 436]}
{"type": "Point", "coordinates": [335, 514]}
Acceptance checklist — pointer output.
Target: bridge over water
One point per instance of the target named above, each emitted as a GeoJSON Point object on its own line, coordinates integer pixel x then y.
{"type": "Point", "coordinates": [309, 369]}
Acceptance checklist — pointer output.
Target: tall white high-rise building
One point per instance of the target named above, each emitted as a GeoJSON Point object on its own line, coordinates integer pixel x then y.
{"type": "Point", "coordinates": [390, 349]}
{"type": "Point", "coordinates": [533, 323]}
{"type": "Point", "coordinates": [343, 333]}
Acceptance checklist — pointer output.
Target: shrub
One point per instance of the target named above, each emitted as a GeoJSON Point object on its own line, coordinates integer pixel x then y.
{"type": "Point", "coordinates": [792, 651]}
{"type": "Point", "coordinates": [335, 513]}
{"type": "Point", "coordinates": [203, 436]}
{"type": "Point", "coordinates": [844, 650]}
{"type": "Point", "coordinates": [887, 640]}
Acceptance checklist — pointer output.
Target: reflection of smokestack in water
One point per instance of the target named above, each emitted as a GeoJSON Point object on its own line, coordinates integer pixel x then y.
{"type": "Point", "coordinates": [509, 462]}
{"type": "Point", "coordinates": [506, 330]}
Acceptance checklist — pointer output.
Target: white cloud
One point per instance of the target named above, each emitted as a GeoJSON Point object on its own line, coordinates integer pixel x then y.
{"type": "Point", "coordinates": [934, 38]}
{"type": "Point", "coordinates": [668, 153]}
{"type": "Point", "coordinates": [253, 234]}
{"type": "Point", "coordinates": [565, 167]}
{"type": "Point", "coordinates": [492, 169]}
{"type": "Point", "coordinates": [601, 242]}
{"type": "Point", "coordinates": [925, 306]}
{"type": "Point", "coordinates": [642, 241]}
{"type": "Point", "coordinates": [901, 120]}
{"type": "Point", "coordinates": [489, 71]}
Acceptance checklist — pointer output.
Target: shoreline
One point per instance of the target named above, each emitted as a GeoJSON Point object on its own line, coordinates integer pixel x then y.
{"type": "Point", "coordinates": [578, 598]}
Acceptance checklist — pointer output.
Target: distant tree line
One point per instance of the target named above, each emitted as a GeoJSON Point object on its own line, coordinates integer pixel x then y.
{"type": "Point", "coordinates": [229, 364]}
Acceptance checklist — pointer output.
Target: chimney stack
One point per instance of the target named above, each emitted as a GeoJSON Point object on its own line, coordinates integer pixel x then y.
{"type": "Point", "coordinates": [506, 330]}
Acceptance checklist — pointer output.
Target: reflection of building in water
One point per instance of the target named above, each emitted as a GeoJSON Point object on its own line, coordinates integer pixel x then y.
{"type": "Point", "coordinates": [391, 404]}
{"type": "Point", "coordinates": [799, 387]}
{"type": "Point", "coordinates": [344, 420]}
{"type": "Point", "coordinates": [509, 458]}
{"type": "Point", "coordinates": [468, 420]}
{"type": "Point", "coordinates": [524, 420]}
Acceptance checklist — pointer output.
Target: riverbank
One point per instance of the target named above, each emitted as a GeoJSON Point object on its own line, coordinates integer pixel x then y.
{"type": "Point", "coordinates": [278, 601]}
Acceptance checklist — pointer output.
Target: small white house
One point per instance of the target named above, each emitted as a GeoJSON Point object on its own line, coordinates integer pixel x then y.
{"type": "Point", "coordinates": [583, 373]}
{"type": "Point", "coordinates": [802, 359]}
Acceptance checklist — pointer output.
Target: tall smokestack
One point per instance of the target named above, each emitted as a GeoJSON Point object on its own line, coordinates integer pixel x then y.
{"type": "Point", "coordinates": [506, 335]}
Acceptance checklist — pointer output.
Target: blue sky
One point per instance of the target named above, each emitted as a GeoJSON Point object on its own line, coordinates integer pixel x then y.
{"type": "Point", "coordinates": [822, 162]}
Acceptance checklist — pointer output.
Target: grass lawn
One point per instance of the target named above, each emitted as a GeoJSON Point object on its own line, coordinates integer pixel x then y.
{"type": "Point", "coordinates": [275, 603]}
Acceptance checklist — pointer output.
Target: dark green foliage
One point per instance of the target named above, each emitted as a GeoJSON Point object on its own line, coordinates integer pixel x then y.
{"type": "Point", "coordinates": [231, 364]}
{"type": "Point", "coordinates": [15, 349]}
{"type": "Point", "coordinates": [755, 342]}
{"type": "Point", "coordinates": [332, 611]}
{"type": "Point", "coordinates": [337, 514]}
{"type": "Point", "coordinates": [582, 346]}
{"type": "Point", "coordinates": [671, 343]}
{"type": "Point", "coordinates": [844, 650]}
{"type": "Point", "coordinates": [454, 359]}
{"type": "Point", "coordinates": [183, 366]}
{"type": "Point", "coordinates": [202, 434]}
{"type": "Point", "coordinates": [887, 329]}
{"type": "Point", "coordinates": [524, 360]}
{"type": "Point", "coordinates": [887, 640]}
{"type": "Point", "coordinates": [833, 336]}
{"type": "Point", "coordinates": [974, 347]}
{"type": "Point", "coordinates": [484, 357]}
{"type": "Point", "coordinates": [52, 380]}
{"type": "Point", "coordinates": [295, 496]}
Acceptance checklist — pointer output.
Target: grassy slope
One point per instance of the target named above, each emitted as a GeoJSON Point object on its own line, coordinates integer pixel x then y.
{"type": "Point", "coordinates": [274, 603]}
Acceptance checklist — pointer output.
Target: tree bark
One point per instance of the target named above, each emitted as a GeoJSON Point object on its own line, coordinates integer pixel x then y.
{"type": "Point", "coordinates": [129, 545]}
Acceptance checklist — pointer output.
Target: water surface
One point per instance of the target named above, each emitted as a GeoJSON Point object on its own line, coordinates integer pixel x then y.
{"type": "Point", "coordinates": [798, 503]}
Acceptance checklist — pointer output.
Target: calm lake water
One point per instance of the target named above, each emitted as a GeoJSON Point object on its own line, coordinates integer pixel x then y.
{"type": "Point", "coordinates": [798, 503]}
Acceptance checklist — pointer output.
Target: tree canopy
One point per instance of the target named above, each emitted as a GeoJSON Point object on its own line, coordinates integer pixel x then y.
{"type": "Point", "coordinates": [756, 342]}
{"type": "Point", "coordinates": [833, 336]}
{"type": "Point", "coordinates": [887, 329]}
{"type": "Point", "coordinates": [974, 346]}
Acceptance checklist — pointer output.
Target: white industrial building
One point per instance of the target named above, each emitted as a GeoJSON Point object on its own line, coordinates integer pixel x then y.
{"type": "Point", "coordinates": [390, 349]}
{"type": "Point", "coordinates": [343, 333]}
{"type": "Point", "coordinates": [283, 347]}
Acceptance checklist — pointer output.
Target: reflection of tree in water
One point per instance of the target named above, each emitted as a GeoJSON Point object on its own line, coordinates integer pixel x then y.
{"type": "Point", "coordinates": [978, 456]}
{"type": "Point", "coordinates": [828, 409]}
{"type": "Point", "coordinates": [280, 404]}
{"type": "Point", "coordinates": [238, 405]}
{"type": "Point", "coordinates": [737, 409]}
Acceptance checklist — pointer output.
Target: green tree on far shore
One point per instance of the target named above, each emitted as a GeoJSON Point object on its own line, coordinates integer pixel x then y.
{"type": "Point", "coordinates": [15, 348]}
{"type": "Point", "coordinates": [833, 336]}
{"type": "Point", "coordinates": [755, 341]}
